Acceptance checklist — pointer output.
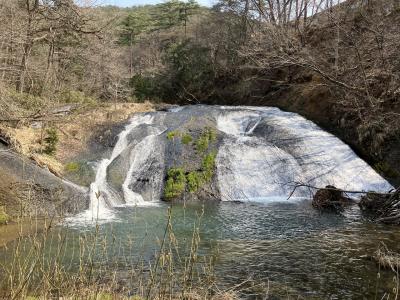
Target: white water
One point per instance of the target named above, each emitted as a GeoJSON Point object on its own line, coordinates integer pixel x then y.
{"type": "Point", "coordinates": [102, 197]}
{"type": "Point", "coordinates": [291, 149]}
{"type": "Point", "coordinates": [264, 152]}
{"type": "Point", "coordinates": [145, 154]}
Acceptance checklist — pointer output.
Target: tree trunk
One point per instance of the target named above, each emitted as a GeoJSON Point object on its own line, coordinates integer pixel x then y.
{"type": "Point", "coordinates": [24, 64]}
{"type": "Point", "coordinates": [49, 66]}
{"type": "Point", "coordinates": [244, 20]}
{"type": "Point", "coordinates": [131, 55]}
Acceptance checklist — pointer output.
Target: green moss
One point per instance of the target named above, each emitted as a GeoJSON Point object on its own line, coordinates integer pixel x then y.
{"type": "Point", "coordinates": [175, 184]}
{"type": "Point", "coordinates": [81, 173]}
{"type": "Point", "coordinates": [186, 139]}
{"type": "Point", "coordinates": [202, 143]}
{"type": "Point", "coordinates": [194, 181]}
{"type": "Point", "coordinates": [4, 218]}
{"type": "Point", "coordinates": [208, 165]}
{"type": "Point", "coordinates": [212, 135]}
{"type": "Point", "coordinates": [51, 141]}
{"type": "Point", "coordinates": [209, 135]}
{"type": "Point", "coordinates": [72, 167]}
{"type": "Point", "coordinates": [172, 134]}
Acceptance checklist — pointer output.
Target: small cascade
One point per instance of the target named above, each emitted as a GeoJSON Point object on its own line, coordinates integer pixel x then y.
{"type": "Point", "coordinates": [146, 158]}
{"type": "Point", "coordinates": [103, 198]}
{"type": "Point", "coordinates": [266, 151]}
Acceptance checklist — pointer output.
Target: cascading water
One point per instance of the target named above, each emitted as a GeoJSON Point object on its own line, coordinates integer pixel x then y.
{"type": "Point", "coordinates": [262, 153]}
{"type": "Point", "coordinates": [102, 196]}
{"type": "Point", "coordinates": [266, 151]}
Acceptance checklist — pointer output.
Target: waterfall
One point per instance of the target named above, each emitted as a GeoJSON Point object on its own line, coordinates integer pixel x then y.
{"type": "Point", "coordinates": [266, 151]}
{"type": "Point", "coordinates": [147, 156]}
{"type": "Point", "coordinates": [262, 153]}
{"type": "Point", "coordinates": [103, 198]}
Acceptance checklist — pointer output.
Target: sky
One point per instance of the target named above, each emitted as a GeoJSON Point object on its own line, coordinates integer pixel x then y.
{"type": "Point", "coordinates": [128, 3]}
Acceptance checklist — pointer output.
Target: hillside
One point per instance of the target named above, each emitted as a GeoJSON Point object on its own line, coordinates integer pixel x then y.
{"type": "Point", "coordinates": [335, 64]}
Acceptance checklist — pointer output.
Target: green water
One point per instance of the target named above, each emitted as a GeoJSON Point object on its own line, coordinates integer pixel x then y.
{"type": "Point", "coordinates": [289, 247]}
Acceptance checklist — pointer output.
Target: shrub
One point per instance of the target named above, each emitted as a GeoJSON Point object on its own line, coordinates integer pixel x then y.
{"type": "Point", "coordinates": [205, 138]}
{"type": "Point", "coordinates": [72, 96]}
{"type": "Point", "coordinates": [195, 181]}
{"type": "Point", "coordinates": [208, 165]}
{"type": "Point", "coordinates": [175, 184]}
{"type": "Point", "coordinates": [202, 143]}
{"type": "Point", "coordinates": [27, 101]}
{"type": "Point", "coordinates": [186, 139]}
{"type": "Point", "coordinates": [51, 141]}
{"type": "Point", "coordinates": [143, 87]}
{"type": "Point", "coordinates": [172, 134]}
{"type": "Point", "coordinates": [4, 218]}
{"type": "Point", "coordinates": [189, 71]}
{"type": "Point", "coordinates": [212, 135]}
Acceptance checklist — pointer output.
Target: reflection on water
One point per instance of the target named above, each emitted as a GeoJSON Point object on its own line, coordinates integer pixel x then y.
{"type": "Point", "coordinates": [298, 251]}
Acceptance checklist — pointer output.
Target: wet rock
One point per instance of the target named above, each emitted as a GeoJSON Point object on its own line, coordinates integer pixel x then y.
{"type": "Point", "coordinates": [330, 198]}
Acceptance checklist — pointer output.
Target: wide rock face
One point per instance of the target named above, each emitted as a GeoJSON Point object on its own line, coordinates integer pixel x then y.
{"type": "Point", "coordinates": [28, 189]}
{"type": "Point", "coordinates": [224, 153]}
{"type": "Point", "coordinates": [171, 140]}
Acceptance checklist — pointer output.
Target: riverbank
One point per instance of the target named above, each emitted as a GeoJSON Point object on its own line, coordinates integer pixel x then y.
{"type": "Point", "coordinates": [30, 178]}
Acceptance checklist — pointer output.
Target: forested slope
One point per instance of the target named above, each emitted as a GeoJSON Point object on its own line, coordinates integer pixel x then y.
{"type": "Point", "coordinates": [335, 63]}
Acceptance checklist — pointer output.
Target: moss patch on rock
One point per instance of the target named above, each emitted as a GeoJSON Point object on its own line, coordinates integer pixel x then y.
{"type": "Point", "coordinates": [171, 135]}
{"type": "Point", "coordinates": [195, 180]}
{"type": "Point", "coordinates": [80, 172]}
{"type": "Point", "coordinates": [208, 165]}
{"type": "Point", "coordinates": [209, 135]}
{"type": "Point", "coordinates": [200, 171]}
{"type": "Point", "coordinates": [175, 184]}
{"type": "Point", "coordinates": [186, 139]}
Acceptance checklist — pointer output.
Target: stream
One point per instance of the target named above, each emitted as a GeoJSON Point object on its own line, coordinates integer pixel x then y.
{"type": "Point", "coordinates": [256, 233]}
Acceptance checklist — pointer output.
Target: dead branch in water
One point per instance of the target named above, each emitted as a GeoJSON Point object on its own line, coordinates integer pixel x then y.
{"type": "Point", "coordinates": [311, 187]}
{"type": "Point", "coordinates": [383, 208]}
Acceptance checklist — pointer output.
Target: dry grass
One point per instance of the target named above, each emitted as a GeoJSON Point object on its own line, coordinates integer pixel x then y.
{"type": "Point", "coordinates": [387, 259]}
{"type": "Point", "coordinates": [74, 131]}
{"type": "Point", "coordinates": [77, 129]}
{"type": "Point", "coordinates": [38, 268]}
